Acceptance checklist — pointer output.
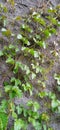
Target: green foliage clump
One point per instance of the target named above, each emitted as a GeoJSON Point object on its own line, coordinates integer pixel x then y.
{"type": "Point", "coordinates": [28, 44]}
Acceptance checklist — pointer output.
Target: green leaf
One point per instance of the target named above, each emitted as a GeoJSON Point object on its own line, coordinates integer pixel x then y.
{"type": "Point", "coordinates": [14, 115]}
{"type": "Point", "coordinates": [4, 8]}
{"type": "Point", "coordinates": [36, 54]}
{"type": "Point", "coordinates": [41, 44]}
{"type": "Point", "coordinates": [54, 21]}
{"type": "Point", "coordinates": [26, 68]}
{"type": "Point", "coordinates": [27, 87]}
{"type": "Point", "coordinates": [17, 125]}
{"type": "Point", "coordinates": [13, 91]}
{"type": "Point", "coordinates": [51, 95]}
{"type": "Point", "coordinates": [16, 92]}
{"type": "Point", "coordinates": [37, 125]}
{"type": "Point", "coordinates": [27, 28]}
{"type": "Point", "coordinates": [16, 81]}
{"type": "Point", "coordinates": [30, 103]}
{"type": "Point", "coordinates": [47, 33]}
{"type": "Point", "coordinates": [3, 106]}
{"type": "Point", "coordinates": [52, 30]}
{"type": "Point", "coordinates": [50, 128]}
{"type": "Point", "coordinates": [18, 18]}
{"type": "Point", "coordinates": [5, 22]}
{"type": "Point", "coordinates": [1, 53]}
{"type": "Point", "coordinates": [33, 75]}
{"type": "Point", "coordinates": [43, 94]}
{"type": "Point", "coordinates": [44, 127]}
{"type": "Point", "coordinates": [3, 30]}
{"type": "Point", "coordinates": [8, 88]}
{"type": "Point", "coordinates": [55, 104]}
{"type": "Point", "coordinates": [59, 23]}
{"type": "Point", "coordinates": [45, 117]}
{"type": "Point", "coordinates": [25, 41]}
{"type": "Point", "coordinates": [20, 124]}
{"type": "Point", "coordinates": [58, 87]}
{"type": "Point", "coordinates": [19, 36]}
{"type": "Point", "coordinates": [57, 77]}
{"type": "Point", "coordinates": [31, 51]}
{"type": "Point", "coordinates": [3, 120]}
{"type": "Point", "coordinates": [42, 21]}
{"type": "Point", "coordinates": [37, 18]}
{"type": "Point", "coordinates": [19, 110]}
{"type": "Point", "coordinates": [10, 60]}
{"type": "Point", "coordinates": [6, 32]}
{"type": "Point", "coordinates": [11, 46]}
{"type": "Point", "coordinates": [17, 64]}
{"type": "Point", "coordinates": [36, 106]}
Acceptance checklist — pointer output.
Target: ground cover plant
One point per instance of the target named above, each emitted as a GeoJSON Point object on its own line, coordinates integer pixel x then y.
{"type": "Point", "coordinates": [24, 54]}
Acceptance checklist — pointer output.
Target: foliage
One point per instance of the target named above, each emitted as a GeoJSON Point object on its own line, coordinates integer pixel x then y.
{"type": "Point", "coordinates": [57, 77]}
{"type": "Point", "coordinates": [28, 43]}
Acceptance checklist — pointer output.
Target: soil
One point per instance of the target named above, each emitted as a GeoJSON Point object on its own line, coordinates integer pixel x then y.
{"type": "Point", "coordinates": [22, 8]}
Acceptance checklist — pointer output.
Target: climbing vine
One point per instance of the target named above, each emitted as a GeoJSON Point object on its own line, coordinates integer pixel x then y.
{"type": "Point", "coordinates": [24, 55]}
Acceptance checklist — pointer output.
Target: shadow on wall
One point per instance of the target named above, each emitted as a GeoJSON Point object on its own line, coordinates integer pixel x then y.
{"type": "Point", "coordinates": [35, 2]}
{"type": "Point", "coordinates": [55, 2]}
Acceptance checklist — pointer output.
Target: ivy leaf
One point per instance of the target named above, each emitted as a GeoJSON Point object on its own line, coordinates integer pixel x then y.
{"type": "Point", "coordinates": [52, 95]}
{"type": "Point", "coordinates": [8, 88]}
{"type": "Point", "coordinates": [17, 124]}
{"type": "Point", "coordinates": [43, 94]}
{"type": "Point", "coordinates": [11, 2]}
{"type": "Point", "coordinates": [44, 127]}
{"type": "Point", "coordinates": [55, 104]}
{"type": "Point", "coordinates": [33, 75]}
{"type": "Point", "coordinates": [58, 23]}
{"type": "Point", "coordinates": [25, 41]}
{"type": "Point", "coordinates": [3, 120]}
{"type": "Point", "coordinates": [52, 30]}
{"type": "Point", "coordinates": [36, 106]}
{"type": "Point", "coordinates": [1, 53]}
{"type": "Point", "coordinates": [19, 110]}
{"type": "Point", "coordinates": [15, 92]}
{"type": "Point", "coordinates": [58, 87]}
{"type": "Point", "coordinates": [42, 21]}
{"type": "Point", "coordinates": [27, 87]}
{"type": "Point", "coordinates": [10, 60]}
{"type": "Point", "coordinates": [36, 55]}
{"type": "Point", "coordinates": [18, 18]}
{"type": "Point", "coordinates": [20, 124]}
{"type": "Point", "coordinates": [19, 36]}
{"type": "Point", "coordinates": [57, 77]}
{"type": "Point", "coordinates": [37, 125]}
{"type": "Point", "coordinates": [3, 30]}
{"type": "Point", "coordinates": [5, 9]}
{"type": "Point", "coordinates": [27, 28]}
{"type": "Point", "coordinates": [5, 22]}
{"type": "Point", "coordinates": [26, 68]}
{"type": "Point", "coordinates": [50, 128]}
{"type": "Point", "coordinates": [30, 103]}
{"type": "Point", "coordinates": [14, 115]}
{"type": "Point", "coordinates": [37, 69]}
{"type": "Point", "coordinates": [41, 44]}
{"type": "Point", "coordinates": [11, 46]}
{"type": "Point", "coordinates": [45, 116]}
{"type": "Point", "coordinates": [6, 32]}
{"type": "Point", "coordinates": [54, 21]}
{"type": "Point", "coordinates": [16, 81]}
{"type": "Point", "coordinates": [47, 33]}
{"type": "Point", "coordinates": [31, 51]}
{"type": "Point", "coordinates": [17, 64]}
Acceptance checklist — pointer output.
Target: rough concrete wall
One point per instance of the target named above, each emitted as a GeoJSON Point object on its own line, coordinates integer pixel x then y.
{"type": "Point", "coordinates": [22, 7]}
